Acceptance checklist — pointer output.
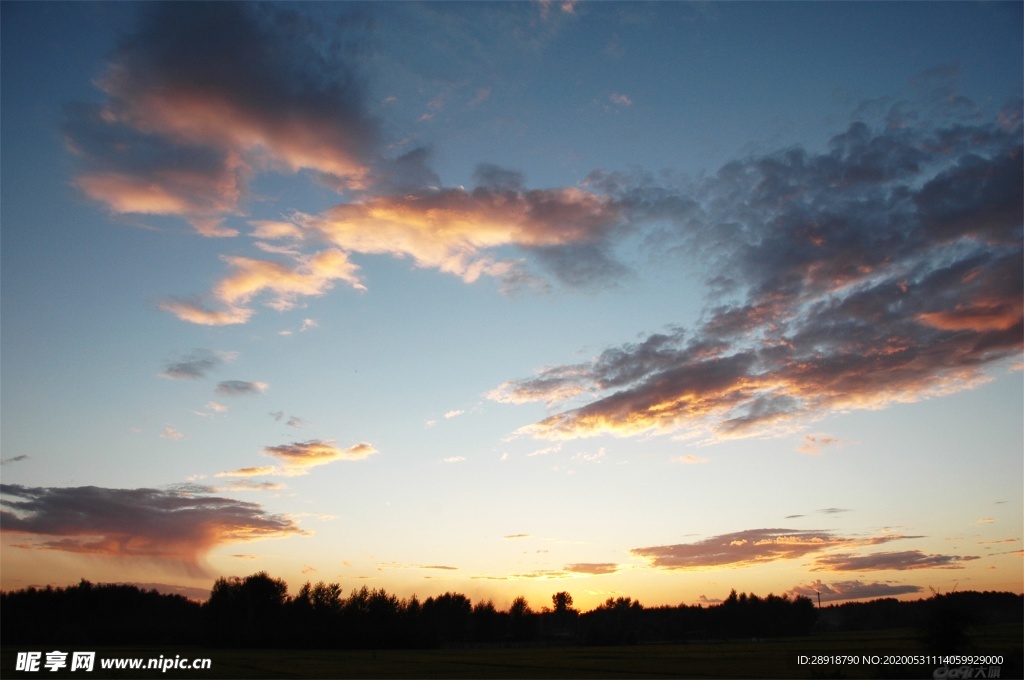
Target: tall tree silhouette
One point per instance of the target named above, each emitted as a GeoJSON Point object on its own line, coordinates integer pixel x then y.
{"type": "Point", "coordinates": [522, 626]}
{"type": "Point", "coordinates": [561, 601]}
{"type": "Point", "coordinates": [247, 611]}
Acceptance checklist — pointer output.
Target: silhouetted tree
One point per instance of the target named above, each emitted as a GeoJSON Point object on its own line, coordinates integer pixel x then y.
{"type": "Point", "coordinates": [256, 611]}
{"type": "Point", "coordinates": [615, 622]}
{"type": "Point", "coordinates": [945, 624]}
{"type": "Point", "coordinates": [412, 623]}
{"type": "Point", "coordinates": [561, 601]}
{"type": "Point", "coordinates": [89, 613]}
{"type": "Point", "coordinates": [562, 622]}
{"type": "Point", "coordinates": [447, 618]}
{"type": "Point", "coordinates": [316, 615]}
{"type": "Point", "coordinates": [522, 626]}
{"type": "Point", "coordinates": [488, 624]}
{"type": "Point", "coordinates": [247, 611]}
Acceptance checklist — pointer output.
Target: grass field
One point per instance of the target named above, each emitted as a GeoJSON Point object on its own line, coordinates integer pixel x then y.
{"type": "Point", "coordinates": [772, 658]}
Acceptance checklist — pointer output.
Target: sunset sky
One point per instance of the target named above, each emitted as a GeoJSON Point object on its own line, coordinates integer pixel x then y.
{"type": "Point", "coordinates": [622, 299]}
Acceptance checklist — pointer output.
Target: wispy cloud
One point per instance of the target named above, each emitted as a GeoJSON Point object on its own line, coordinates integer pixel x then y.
{"type": "Point", "coordinates": [248, 485]}
{"type": "Point", "coordinates": [620, 99]}
{"type": "Point", "coordinates": [584, 457]}
{"type": "Point", "coordinates": [578, 570]}
{"type": "Point", "coordinates": [249, 471]}
{"type": "Point", "coordinates": [237, 388]}
{"type": "Point", "coordinates": [690, 460]}
{"type": "Point", "coordinates": [299, 457]}
{"type": "Point", "coordinates": [212, 408]}
{"type": "Point", "coordinates": [815, 444]}
{"type": "Point", "coordinates": [280, 284]}
{"type": "Point", "coordinates": [14, 459]}
{"type": "Point", "coordinates": [171, 433]}
{"type": "Point", "coordinates": [293, 421]}
{"type": "Point", "coordinates": [197, 364]}
{"type": "Point", "coordinates": [176, 526]}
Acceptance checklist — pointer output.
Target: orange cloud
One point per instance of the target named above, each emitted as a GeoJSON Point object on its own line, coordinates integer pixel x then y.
{"type": "Point", "coordinates": [220, 120]}
{"type": "Point", "coordinates": [177, 137]}
{"type": "Point", "coordinates": [298, 457]}
{"type": "Point", "coordinates": [248, 472]}
{"type": "Point", "coordinates": [813, 445]}
{"type": "Point", "coordinates": [452, 229]}
{"type": "Point", "coordinates": [178, 527]}
{"type": "Point", "coordinates": [977, 317]}
{"type": "Point", "coordinates": [311, 276]}
{"type": "Point", "coordinates": [156, 196]}
{"type": "Point", "coordinates": [203, 316]}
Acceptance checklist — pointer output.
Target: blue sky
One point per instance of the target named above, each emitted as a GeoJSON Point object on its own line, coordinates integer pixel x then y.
{"type": "Point", "coordinates": [655, 300]}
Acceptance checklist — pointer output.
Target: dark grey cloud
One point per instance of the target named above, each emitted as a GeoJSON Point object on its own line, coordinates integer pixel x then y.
{"type": "Point", "coordinates": [410, 172]}
{"type": "Point", "coordinates": [885, 268]}
{"type": "Point", "coordinates": [195, 365]}
{"type": "Point", "coordinates": [490, 176]}
{"type": "Point", "coordinates": [293, 421]}
{"type": "Point", "coordinates": [15, 459]}
{"type": "Point", "coordinates": [202, 95]}
{"type": "Point", "coordinates": [235, 388]}
{"type": "Point", "coordinates": [179, 525]}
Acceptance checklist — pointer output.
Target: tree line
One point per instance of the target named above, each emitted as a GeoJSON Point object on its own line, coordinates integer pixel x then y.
{"type": "Point", "coordinates": [256, 611]}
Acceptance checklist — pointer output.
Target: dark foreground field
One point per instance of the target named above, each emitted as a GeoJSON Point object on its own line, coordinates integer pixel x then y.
{"type": "Point", "coordinates": [771, 658]}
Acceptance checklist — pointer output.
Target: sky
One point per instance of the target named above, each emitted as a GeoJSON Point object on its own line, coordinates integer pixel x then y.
{"type": "Point", "coordinates": [506, 299]}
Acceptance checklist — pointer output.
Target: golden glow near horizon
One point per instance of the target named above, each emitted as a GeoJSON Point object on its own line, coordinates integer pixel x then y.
{"type": "Point", "coordinates": [497, 299]}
